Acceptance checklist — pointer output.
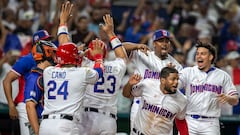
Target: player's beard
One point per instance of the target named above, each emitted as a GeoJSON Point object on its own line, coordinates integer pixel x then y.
{"type": "Point", "coordinates": [164, 56]}
{"type": "Point", "coordinates": [169, 91]}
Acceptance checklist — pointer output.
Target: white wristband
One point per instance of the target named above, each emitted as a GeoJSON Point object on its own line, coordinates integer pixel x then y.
{"type": "Point", "coordinates": [62, 30]}
{"type": "Point", "coordinates": [115, 42]}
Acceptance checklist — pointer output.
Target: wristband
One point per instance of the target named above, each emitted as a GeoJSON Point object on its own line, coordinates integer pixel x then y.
{"type": "Point", "coordinates": [98, 57]}
{"type": "Point", "coordinates": [62, 29]}
{"type": "Point", "coordinates": [115, 42]}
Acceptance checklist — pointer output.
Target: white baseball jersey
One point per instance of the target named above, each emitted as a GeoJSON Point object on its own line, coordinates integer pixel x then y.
{"type": "Point", "coordinates": [15, 85]}
{"type": "Point", "coordinates": [202, 88]}
{"type": "Point", "coordinates": [64, 88]}
{"type": "Point", "coordinates": [103, 95]}
{"type": "Point", "coordinates": [149, 66]}
{"type": "Point", "coordinates": [157, 110]}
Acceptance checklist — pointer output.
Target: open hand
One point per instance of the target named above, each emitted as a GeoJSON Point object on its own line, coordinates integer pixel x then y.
{"type": "Point", "coordinates": [134, 79]}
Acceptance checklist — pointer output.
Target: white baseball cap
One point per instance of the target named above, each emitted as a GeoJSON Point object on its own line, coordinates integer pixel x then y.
{"type": "Point", "coordinates": [233, 55]}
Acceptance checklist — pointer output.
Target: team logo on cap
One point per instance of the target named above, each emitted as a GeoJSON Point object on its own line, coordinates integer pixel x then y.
{"type": "Point", "coordinates": [46, 33]}
{"type": "Point", "coordinates": [36, 38]}
{"type": "Point", "coordinates": [164, 33]}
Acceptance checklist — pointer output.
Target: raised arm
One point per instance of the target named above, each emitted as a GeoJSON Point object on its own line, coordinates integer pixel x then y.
{"type": "Point", "coordinates": [65, 15]}
{"type": "Point", "coordinates": [134, 79]}
{"type": "Point", "coordinates": [129, 46]}
{"type": "Point", "coordinates": [108, 27]}
{"type": "Point", "coordinates": [97, 52]}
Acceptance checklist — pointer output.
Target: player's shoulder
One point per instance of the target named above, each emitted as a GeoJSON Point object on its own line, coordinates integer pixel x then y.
{"type": "Point", "coordinates": [24, 64]}
{"type": "Point", "coordinates": [142, 54]}
{"type": "Point", "coordinates": [192, 68]}
{"type": "Point", "coordinates": [49, 68]}
{"type": "Point", "coordinates": [32, 78]}
{"type": "Point", "coordinates": [26, 58]}
{"type": "Point", "coordinates": [221, 72]}
{"type": "Point", "coordinates": [149, 82]}
{"type": "Point", "coordinates": [118, 63]}
{"type": "Point", "coordinates": [181, 98]}
{"type": "Point", "coordinates": [86, 62]}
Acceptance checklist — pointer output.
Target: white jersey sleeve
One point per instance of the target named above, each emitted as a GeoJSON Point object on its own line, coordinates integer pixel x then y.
{"type": "Point", "coordinates": [90, 71]}
{"type": "Point", "coordinates": [91, 76]}
{"type": "Point", "coordinates": [228, 86]}
{"type": "Point", "coordinates": [137, 90]}
{"type": "Point", "coordinates": [86, 62]}
{"type": "Point", "coordinates": [181, 114]}
{"type": "Point", "coordinates": [183, 78]}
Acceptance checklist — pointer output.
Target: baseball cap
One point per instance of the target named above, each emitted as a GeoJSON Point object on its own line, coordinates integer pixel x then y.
{"type": "Point", "coordinates": [26, 15]}
{"type": "Point", "coordinates": [160, 34]}
{"type": "Point", "coordinates": [233, 55]}
{"type": "Point", "coordinates": [231, 45]}
{"type": "Point", "coordinates": [41, 35]}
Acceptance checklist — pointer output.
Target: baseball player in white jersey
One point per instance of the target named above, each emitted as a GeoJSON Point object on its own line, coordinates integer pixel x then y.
{"type": "Point", "coordinates": [64, 87]}
{"type": "Point", "coordinates": [160, 103]}
{"type": "Point", "coordinates": [100, 100]}
{"type": "Point", "coordinates": [206, 88]}
{"type": "Point", "coordinates": [150, 65]}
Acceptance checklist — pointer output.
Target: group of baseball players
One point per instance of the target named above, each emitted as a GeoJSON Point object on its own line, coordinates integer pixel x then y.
{"type": "Point", "coordinates": [74, 92]}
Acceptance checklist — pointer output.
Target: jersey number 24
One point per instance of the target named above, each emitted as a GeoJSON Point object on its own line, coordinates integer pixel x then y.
{"type": "Point", "coordinates": [62, 90]}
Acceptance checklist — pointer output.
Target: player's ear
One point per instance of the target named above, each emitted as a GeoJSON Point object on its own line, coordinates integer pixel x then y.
{"type": "Point", "coordinates": [154, 44]}
{"type": "Point", "coordinates": [211, 57]}
{"type": "Point", "coordinates": [163, 80]}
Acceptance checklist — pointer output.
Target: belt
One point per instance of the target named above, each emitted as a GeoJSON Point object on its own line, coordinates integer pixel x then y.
{"type": "Point", "coordinates": [199, 116]}
{"type": "Point", "coordinates": [137, 132]}
{"type": "Point", "coordinates": [58, 116]}
{"type": "Point", "coordinates": [90, 109]}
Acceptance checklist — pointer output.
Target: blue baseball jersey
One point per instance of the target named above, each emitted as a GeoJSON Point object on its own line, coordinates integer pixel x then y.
{"type": "Point", "coordinates": [34, 91]}
{"type": "Point", "coordinates": [23, 68]}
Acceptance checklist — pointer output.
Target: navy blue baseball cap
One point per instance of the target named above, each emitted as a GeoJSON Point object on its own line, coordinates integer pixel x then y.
{"type": "Point", "coordinates": [160, 34]}
{"type": "Point", "coordinates": [41, 35]}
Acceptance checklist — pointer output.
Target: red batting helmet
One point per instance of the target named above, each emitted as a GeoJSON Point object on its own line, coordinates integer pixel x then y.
{"type": "Point", "coordinates": [89, 56]}
{"type": "Point", "coordinates": [68, 54]}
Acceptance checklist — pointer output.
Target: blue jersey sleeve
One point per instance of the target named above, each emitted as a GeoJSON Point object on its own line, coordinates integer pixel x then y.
{"type": "Point", "coordinates": [24, 65]}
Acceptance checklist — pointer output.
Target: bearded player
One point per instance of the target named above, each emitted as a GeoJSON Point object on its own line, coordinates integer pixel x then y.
{"type": "Point", "coordinates": [160, 103]}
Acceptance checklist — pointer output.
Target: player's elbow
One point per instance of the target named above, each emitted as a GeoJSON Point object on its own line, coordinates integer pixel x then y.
{"type": "Point", "coordinates": [10, 77]}
{"type": "Point", "coordinates": [30, 105]}
{"type": "Point", "coordinates": [126, 94]}
{"type": "Point", "coordinates": [234, 101]}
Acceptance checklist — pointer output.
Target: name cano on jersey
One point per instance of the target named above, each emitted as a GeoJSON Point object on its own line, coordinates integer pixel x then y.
{"type": "Point", "coordinates": [158, 110]}
{"type": "Point", "coordinates": [151, 74]}
{"type": "Point", "coordinates": [59, 75]}
{"type": "Point", "coordinates": [205, 87]}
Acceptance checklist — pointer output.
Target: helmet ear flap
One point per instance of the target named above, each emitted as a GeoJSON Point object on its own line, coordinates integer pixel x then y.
{"type": "Point", "coordinates": [37, 53]}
